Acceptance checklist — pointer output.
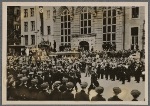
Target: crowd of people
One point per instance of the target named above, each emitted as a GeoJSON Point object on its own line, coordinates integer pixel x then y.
{"type": "Point", "coordinates": [30, 78]}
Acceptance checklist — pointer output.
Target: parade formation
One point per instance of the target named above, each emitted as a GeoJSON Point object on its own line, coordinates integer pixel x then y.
{"type": "Point", "coordinates": [37, 75]}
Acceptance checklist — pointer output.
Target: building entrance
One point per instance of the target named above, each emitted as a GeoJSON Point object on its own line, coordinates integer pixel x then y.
{"type": "Point", "coordinates": [84, 45]}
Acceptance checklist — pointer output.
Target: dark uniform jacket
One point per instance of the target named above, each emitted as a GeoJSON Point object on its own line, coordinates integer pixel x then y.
{"type": "Point", "coordinates": [55, 95]}
{"type": "Point", "coordinates": [81, 96]}
{"type": "Point", "coordinates": [68, 96]}
{"type": "Point", "coordinates": [114, 98]}
{"type": "Point", "coordinates": [43, 95]}
{"type": "Point", "coordinates": [98, 98]}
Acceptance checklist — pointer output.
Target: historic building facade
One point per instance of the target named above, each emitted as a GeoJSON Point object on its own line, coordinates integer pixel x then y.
{"type": "Point", "coordinates": [86, 27]}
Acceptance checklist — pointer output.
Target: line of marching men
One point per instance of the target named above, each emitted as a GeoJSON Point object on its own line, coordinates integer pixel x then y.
{"type": "Point", "coordinates": [61, 91]}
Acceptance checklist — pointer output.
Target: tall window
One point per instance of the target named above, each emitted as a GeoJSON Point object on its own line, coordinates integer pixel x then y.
{"type": "Point", "coordinates": [25, 26]}
{"type": "Point", "coordinates": [16, 27]}
{"type": "Point", "coordinates": [135, 12]}
{"type": "Point", "coordinates": [48, 13]}
{"type": "Point", "coordinates": [32, 12]}
{"type": "Point", "coordinates": [109, 25]}
{"type": "Point", "coordinates": [32, 25]}
{"type": "Point", "coordinates": [85, 22]}
{"type": "Point", "coordinates": [48, 30]}
{"type": "Point", "coordinates": [65, 27]}
{"type": "Point", "coordinates": [134, 35]}
{"type": "Point", "coordinates": [26, 39]}
{"type": "Point", "coordinates": [32, 39]}
{"type": "Point", "coordinates": [25, 12]}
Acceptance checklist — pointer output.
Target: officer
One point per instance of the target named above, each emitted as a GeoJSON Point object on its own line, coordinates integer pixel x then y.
{"type": "Point", "coordinates": [94, 82]}
{"type": "Point", "coordinates": [82, 96]}
{"type": "Point", "coordinates": [56, 94]}
{"type": "Point", "coordinates": [44, 93]}
{"type": "Point", "coordinates": [23, 89]}
{"type": "Point", "coordinates": [63, 87]}
{"type": "Point", "coordinates": [34, 89]}
{"type": "Point", "coordinates": [67, 95]}
{"type": "Point", "coordinates": [117, 91]}
{"type": "Point", "coordinates": [135, 94]}
{"type": "Point", "coordinates": [98, 97]}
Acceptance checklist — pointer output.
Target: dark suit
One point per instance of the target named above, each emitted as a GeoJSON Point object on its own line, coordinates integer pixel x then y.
{"type": "Point", "coordinates": [81, 96]}
{"type": "Point", "coordinates": [98, 98]}
{"type": "Point", "coordinates": [55, 95]}
{"type": "Point", "coordinates": [43, 95]}
{"type": "Point", "coordinates": [68, 96]}
{"type": "Point", "coordinates": [114, 98]}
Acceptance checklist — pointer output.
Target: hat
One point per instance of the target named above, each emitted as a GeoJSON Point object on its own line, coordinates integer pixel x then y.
{"type": "Point", "coordinates": [24, 79]}
{"type": "Point", "coordinates": [84, 84]}
{"type": "Point", "coordinates": [31, 73]}
{"type": "Point", "coordinates": [34, 81]}
{"type": "Point", "coordinates": [117, 90]}
{"type": "Point", "coordinates": [39, 72]}
{"type": "Point", "coordinates": [20, 75]}
{"type": "Point", "coordinates": [24, 71]}
{"type": "Point", "coordinates": [64, 79]}
{"type": "Point", "coordinates": [135, 93]}
{"type": "Point", "coordinates": [99, 89]}
{"type": "Point", "coordinates": [56, 83]}
{"type": "Point", "coordinates": [69, 85]}
{"type": "Point", "coordinates": [44, 85]}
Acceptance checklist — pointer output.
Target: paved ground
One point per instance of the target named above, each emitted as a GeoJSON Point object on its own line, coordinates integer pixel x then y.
{"type": "Point", "coordinates": [108, 86]}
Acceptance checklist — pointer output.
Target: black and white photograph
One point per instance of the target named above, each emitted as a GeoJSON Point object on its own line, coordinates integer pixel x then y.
{"type": "Point", "coordinates": [75, 53]}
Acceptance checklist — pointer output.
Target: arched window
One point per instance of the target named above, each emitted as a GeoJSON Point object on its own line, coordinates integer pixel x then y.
{"type": "Point", "coordinates": [85, 24]}
{"type": "Point", "coordinates": [65, 27]}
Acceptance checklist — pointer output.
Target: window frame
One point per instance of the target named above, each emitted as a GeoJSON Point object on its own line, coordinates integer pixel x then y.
{"type": "Point", "coordinates": [83, 20]}
{"type": "Point", "coordinates": [111, 24]}
{"type": "Point", "coordinates": [138, 12]}
{"type": "Point", "coordinates": [25, 13]}
{"type": "Point", "coordinates": [32, 41]}
{"type": "Point", "coordinates": [32, 12]}
{"type": "Point", "coordinates": [65, 26]}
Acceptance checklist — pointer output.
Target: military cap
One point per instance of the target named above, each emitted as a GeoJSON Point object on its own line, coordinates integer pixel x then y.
{"type": "Point", "coordinates": [56, 83]}
{"type": "Point", "coordinates": [34, 81]}
{"type": "Point", "coordinates": [24, 71]}
{"type": "Point", "coordinates": [64, 79]}
{"type": "Point", "coordinates": [24, 79]}
{"type": "Point", "coordinates": [39, 72]}
{"type": "Point", "coordinates": [117, 90]}
{"type": "Point", "coordinates": [44, 85]}
{"type": "Point", "coordinates": [135, 93]}
{"type": "Point", "coordinates": [31, 73]}
{"type": "Point", "coordinates": [20, 75]}
{"type": "Point", "coordinates": [99, 89]}
{"type": "Point", "coordinates": [84, 84]}
{"type": "Point", "coordinates": [69, 85]}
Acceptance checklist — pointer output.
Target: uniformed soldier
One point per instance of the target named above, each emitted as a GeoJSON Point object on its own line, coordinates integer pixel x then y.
{"type": "Point", "coordinates": [34, 89]}
{"type": "Point", "coordinates": [67, 95]}
{"type": "Point", "coordinates": [94, 82]}
{"type": "Point", "coordinates": [117, 91]}
{"type": "Point", "coordinates": [98, 97]}
{"type": "Point", "coordinates": [63, 87]}
{"type": "Point", "coordinates": [44, 93]}
{"type": "Point", "coordinates": [56, 94]}
{"type": "Point", "coordinates": [82, 96]}
{"type": "Point", "coordinates": [135, 94]}
{"type": "Point", "coordinates": [23, 89]}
